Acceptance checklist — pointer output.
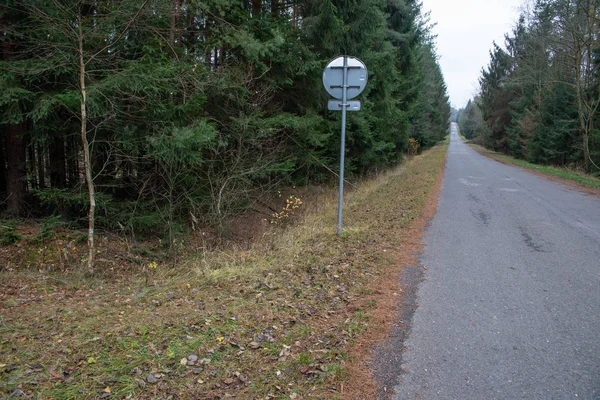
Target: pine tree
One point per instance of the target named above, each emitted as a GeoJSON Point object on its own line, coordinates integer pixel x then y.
{"type": "Point", "coordinates": [193, 111]}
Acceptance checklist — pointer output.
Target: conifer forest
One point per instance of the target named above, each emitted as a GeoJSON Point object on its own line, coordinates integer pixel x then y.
{"type": "Point", "coordinates": [148, 116]}
{"type": "Point", "coordinates": [540, 94]}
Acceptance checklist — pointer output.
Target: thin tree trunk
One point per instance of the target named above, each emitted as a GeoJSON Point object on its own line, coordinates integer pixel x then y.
{"type": "Point", "coordinates": [207, 48]}
{"type": "Point", "coordinates": [178, 30]}
{"type": "Point", "coordinates": [86, 153]}
{"type": "Point", "coordinates": [582, 106]}
{"type": "Point", "coordinates": [591, 70]}
{"type": "Point", "coordinates": [172, 23]}
{"type": "Point", "coordinates": [586, 148]}
{"type": "Point", "coordinates": [175, 31]}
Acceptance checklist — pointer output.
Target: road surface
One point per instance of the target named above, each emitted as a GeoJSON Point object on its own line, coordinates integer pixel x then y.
{"type": "Point", "coordinates": [510, 303]}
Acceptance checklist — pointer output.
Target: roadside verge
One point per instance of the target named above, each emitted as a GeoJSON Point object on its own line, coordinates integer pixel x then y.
{"type": "Point", "coordinates": [577, 180]}
{"type": "Point", "coordinates": [295, 315]}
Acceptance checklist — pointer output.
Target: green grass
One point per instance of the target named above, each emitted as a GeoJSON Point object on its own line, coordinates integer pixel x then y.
{"type": "Point", "coordinates": [564, 173]}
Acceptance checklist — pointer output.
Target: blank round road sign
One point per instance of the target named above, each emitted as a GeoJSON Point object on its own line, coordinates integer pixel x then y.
{"type": "Point", "coordinates": [333, 77]}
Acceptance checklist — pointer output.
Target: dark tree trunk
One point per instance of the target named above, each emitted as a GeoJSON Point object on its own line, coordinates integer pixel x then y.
{"type": "Point", "coordinates": [31, 162]}
{"type": "Point", "coordinates": [58, 173]}
{"type": "Point", "coordinates": [4, 49]}
{"type": "Point", "coordinates": [15, 175]}
{"type": "Point", "coordinates": [295, 14]}
{"type": "Point", "coordinates": [16, 170]}
{"type": "Point", "coordinates": [3, 188]}
{"type": "Point", "coordinates": [72, 162]}
{"type": "Point", "coordinates": [191, 29]}
{"type": "Point", "coordinates": [40, 163]}
{"type": "Point", "coordinates": [207, 48]}
{"type": "Point", "coordinates": [256, 8]}
{"type": "Point", "coordinates": [3, 182]}
{"type": "Point", "coordinates": [100, 164]}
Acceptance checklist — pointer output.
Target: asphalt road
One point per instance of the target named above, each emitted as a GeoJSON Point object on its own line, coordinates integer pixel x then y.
{"type": "Point", "coordinates": [510, 303]}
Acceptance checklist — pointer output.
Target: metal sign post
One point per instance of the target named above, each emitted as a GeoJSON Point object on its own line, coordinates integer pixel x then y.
{"type": "Point", "coordinates": [344, 78]}
{"type": "Point", "coordinates": [343, 143]}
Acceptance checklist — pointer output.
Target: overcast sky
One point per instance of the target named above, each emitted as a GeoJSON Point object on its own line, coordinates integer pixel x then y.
{"type": "Point", "coordinates": [466, 30]}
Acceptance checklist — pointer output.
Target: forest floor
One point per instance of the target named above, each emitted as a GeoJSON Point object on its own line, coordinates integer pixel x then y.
{"type": "Point", "coordinates": [576, 179]}
{"type": "Point", "coordinates": [292, 313]}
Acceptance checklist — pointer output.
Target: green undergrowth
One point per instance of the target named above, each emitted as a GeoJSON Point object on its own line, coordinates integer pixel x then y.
{"type": "Point", "coordinates": [563, 173]}
{"type": "Point", "coordinates": [272, 321]}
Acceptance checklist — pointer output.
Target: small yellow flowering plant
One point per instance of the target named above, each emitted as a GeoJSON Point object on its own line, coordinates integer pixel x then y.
{"type": "Point", "coordinates": [292, 203]}
{"type": "Point", "coordinates": [413, 147]}
{"type": "Point", "coordinates": [148, 269]}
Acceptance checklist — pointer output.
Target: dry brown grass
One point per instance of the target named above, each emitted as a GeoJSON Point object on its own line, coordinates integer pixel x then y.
{"type": "Point", "coordinates": [271, 320]}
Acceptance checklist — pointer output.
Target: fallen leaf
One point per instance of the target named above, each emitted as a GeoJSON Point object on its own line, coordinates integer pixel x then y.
{"type": "Point", "coordinates": [140, 382]}
{"type": "Point", "coordinates": [107, 389]}
{"type": "Point", "coordinates": [55, 374]}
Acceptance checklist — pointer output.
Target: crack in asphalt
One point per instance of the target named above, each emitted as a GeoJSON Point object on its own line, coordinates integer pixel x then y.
{"type": "Point", "coordinates": [529, 241]}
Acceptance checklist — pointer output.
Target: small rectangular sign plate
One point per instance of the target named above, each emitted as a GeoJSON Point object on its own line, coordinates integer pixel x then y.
{"type": "Point", "coordinates": [336, 105]}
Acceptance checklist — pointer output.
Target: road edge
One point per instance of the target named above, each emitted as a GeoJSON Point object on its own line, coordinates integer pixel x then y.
{"type": "Point", "coordinates": [379, 351]}
{"type": "Point", "coordinates": [572, 184]}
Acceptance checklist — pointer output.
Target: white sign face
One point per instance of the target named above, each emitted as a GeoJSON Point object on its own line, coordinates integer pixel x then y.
{"type": "Point", "coordinates": [333, 77]}
{"type": "Point", "coordinates": [336, 105]}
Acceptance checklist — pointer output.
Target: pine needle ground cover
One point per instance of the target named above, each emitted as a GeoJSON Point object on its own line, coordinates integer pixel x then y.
{"type": "Point", "coordinates": [281, 319]}
{"type": "Point", "coordinates": [585, 180]}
